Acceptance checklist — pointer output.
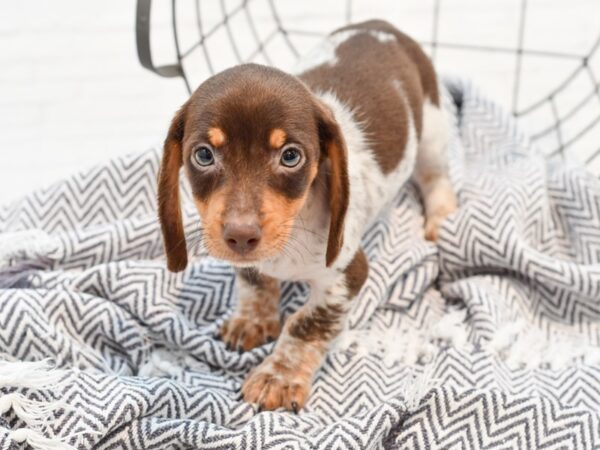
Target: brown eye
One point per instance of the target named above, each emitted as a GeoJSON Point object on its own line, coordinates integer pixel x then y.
{"type": "Point", "coordinates": [290, 157]}
{"type": "Point", "coordinates": [203, 156]}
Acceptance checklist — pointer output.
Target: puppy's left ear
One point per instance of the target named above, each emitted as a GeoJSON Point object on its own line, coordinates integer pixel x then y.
{"type": "Point", "coordinates": [333, 149]}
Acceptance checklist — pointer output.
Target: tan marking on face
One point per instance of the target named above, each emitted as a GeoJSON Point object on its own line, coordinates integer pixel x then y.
{"type": "Point", "coordinates": [216, 136]}
{"type": "Point", "coordinates": [211, 212]}
{"type": "Point", "coordinates": [277, 138]}
{"type": "Point", "coordinates": [314, 171]}
{"type": "Point", "coordinates": [279, 213]}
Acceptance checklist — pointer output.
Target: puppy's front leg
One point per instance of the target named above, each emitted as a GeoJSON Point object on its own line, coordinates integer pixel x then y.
{"type": "Point", "coordinates": [284, 378]}
{"type": "Point", "coordinates": [256, 317]}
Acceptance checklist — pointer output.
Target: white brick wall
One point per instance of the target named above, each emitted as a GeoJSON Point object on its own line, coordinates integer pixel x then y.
{"type": "Point", "coordinates": [72, 92]}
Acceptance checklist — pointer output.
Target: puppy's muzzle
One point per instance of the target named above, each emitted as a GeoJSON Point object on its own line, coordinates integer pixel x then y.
{"type": "Point", "coordinates": [242, 236]}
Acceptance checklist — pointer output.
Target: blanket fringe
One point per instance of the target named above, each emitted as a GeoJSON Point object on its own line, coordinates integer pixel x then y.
{"type": "Point", "coordinates": [425, 343]}
{"type": "Point", "coordinates": [417, 385]}
{"type": "Point", "coordinates": [26, 244]}
{"type": "Point", "coordinates": [161, 362]}
{"type": "Point", "coordinates": [30, 374]}
{"type": "Point", "coordinates": [37, 440]}
{"type": "Point", "coordinates": [35, 414]}
{"type": "Point", "coordinates": [521, 345]}
{"type": "Point", "coordinates": [518, 343]}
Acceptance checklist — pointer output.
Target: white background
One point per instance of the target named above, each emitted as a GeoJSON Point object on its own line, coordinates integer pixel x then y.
{"type": "Point", "coordinates": [72, 92]}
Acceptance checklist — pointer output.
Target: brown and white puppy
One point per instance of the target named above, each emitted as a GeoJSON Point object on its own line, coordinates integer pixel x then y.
{"type": "Point", "coordinates": [288, 172]}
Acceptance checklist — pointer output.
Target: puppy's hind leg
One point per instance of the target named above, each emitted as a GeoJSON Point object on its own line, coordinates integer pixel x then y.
{"type": "Point", "coordinates": [431, 171]}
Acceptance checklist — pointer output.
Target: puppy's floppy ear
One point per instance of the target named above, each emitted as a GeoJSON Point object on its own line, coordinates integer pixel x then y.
{"type": "Point", "coordinates": [333, 148]}
{"type": "Point", "coordinates": [169, 207]}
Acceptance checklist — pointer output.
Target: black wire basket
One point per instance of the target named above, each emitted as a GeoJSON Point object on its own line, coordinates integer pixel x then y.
{"type": "Point", "coordinates": [539, 59]}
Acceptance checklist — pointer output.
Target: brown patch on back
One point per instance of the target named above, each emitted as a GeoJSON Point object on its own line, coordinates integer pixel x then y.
{"type": "Point", "coordinates": [277, 138]}
{"type": "Point", "coordinates": [414, 51]}
{"type": "Point", "coordinates": [216, 136]}
{"type": "Point", "coordinates": [356, 273]}
{"type": "Point", "coordinates": [384, 83]}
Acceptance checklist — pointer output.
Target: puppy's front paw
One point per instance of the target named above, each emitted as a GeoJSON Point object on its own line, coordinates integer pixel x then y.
{"type": "Point", "coordinates": [244, 333]}
{"type": "Point", "coordinates": [434, 220]}
{"type": "Point", "coordinates": [274, 384]}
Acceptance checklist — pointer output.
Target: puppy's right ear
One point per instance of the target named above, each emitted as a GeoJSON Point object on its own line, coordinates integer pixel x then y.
{"type": "Point", "coordinates": [169, 207]}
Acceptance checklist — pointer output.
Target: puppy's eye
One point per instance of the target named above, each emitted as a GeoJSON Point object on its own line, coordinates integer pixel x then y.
{"type": "Point", "coordinates": [290, 157]}
{"type": "Point", "coordinates": [203, 156]}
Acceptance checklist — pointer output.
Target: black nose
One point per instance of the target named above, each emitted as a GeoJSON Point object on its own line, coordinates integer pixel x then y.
{"type": "Point", "coordinates": [241, 237]}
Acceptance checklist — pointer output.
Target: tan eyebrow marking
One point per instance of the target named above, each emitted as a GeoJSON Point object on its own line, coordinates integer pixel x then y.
{"type": "Point", "coordinates": [216, 136]}
{"type": "Point", "coordinates": [277, 138]}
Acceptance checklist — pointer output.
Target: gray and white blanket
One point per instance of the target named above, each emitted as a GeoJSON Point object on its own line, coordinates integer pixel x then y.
{"type": "Point", "coordinates": [491, 339]}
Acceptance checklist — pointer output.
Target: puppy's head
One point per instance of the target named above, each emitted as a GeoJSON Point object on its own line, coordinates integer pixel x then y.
{"type": "Point", "coordinates": [251, 140]}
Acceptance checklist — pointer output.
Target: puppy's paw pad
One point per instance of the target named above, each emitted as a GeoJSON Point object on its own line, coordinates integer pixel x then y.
{"type": "Point", "coordinates": [272, 385]}
{"type": "Point", "coordinates": [244, 333]}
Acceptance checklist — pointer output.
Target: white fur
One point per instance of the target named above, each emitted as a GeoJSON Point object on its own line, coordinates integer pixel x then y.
{"type": "Point", "coordinates": [370, 188]}
{"type": "Point", "coordinates": [383, 36]}
{"type": "Point", "coordinates": [431, 172]}
{"type": "Point", "coordinates": [434, 140]}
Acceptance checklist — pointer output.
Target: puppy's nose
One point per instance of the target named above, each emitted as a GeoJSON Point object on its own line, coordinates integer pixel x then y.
{"type": "Point", "coordinates": [241, 237]}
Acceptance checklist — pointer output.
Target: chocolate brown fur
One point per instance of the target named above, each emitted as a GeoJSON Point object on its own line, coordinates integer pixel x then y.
{"type": "Point", "coordinates": [356, 273]}
{"type": "Point", "coordinates": [321, 324]}
{"type": "Point", "coordinates": [245, 104]}
{"type": "Point", "coordinates": [362, 60]}
{"type": "Point", "coordinates": [169, 210]}
{"type": "Point", "coordinates": [251, 276]}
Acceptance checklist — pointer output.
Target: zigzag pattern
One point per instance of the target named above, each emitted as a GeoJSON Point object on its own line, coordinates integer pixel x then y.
{"type": "Point", "coordinates": [144, 370]}
{"type": "Point", "coordinates": [489, 419]}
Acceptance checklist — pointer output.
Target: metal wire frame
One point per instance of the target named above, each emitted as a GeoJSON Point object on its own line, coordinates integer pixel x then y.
{"type": "Point", "coordinates": [548, 101]}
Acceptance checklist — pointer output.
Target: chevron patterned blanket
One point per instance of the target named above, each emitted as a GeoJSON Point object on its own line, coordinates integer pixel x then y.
{"type": "Point", "coordinates": [488, 340]}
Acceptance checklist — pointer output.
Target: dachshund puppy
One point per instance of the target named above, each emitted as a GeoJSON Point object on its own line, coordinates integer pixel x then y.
{"type": "Point", "coordinates": [288, 172]}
